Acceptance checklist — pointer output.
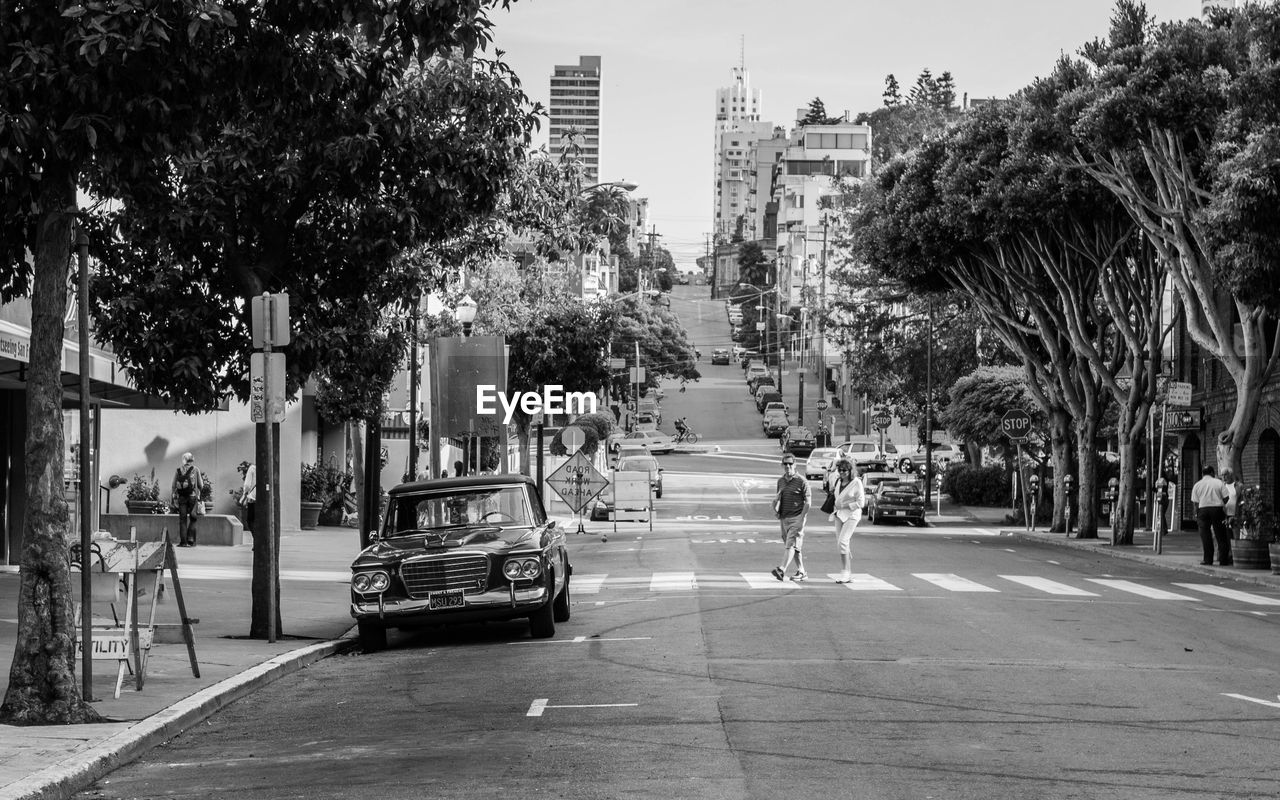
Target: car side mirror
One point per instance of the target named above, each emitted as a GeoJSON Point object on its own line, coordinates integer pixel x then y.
{"type": "Point", "coordinates": [374, 536]}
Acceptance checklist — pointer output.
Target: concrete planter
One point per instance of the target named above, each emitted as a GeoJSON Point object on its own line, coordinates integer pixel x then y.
{"type": "Point", "coordinates": [309, 518]}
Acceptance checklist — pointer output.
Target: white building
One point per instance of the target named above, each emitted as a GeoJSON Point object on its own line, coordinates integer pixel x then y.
{"type": "Point", "coordinates": [575, 109]}
{"type": "Point", "coordinates": [737, 125]}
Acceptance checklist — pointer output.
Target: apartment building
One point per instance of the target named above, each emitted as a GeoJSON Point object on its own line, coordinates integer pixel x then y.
{"type": "Point", "coordinates": [737, 125]}
{"type": "Point", "coordinates": [575, 108]}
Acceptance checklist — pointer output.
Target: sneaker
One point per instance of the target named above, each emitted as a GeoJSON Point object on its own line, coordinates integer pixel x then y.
{"type": "Point", "coordinates": [799, 576]}
{"type": "Point", "coordinates": [844, 578]}
{"type": "Point", "coordinates": [778, 573]}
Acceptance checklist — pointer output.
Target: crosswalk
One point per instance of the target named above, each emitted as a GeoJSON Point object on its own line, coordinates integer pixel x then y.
{"type": "Point", "coordinates": [1091, 588]}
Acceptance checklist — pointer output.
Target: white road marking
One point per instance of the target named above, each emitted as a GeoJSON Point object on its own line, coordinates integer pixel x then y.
{"type": "Point", "coordinates": [1139, 589]}
{"type": "Point", "coordinates": [952, 583]}
{"type": "Point", "coordinates": [862, 582]}
{"type": "Point", "coordinates": [587, 584]}
{"type": "Point", "coordinates": [582, 639]}
{"type": "Point", "coordinates": [542, 704]}
{"type": "Point", "coordinates": [672, 582]}
{"type": "Point", "coordinates": [1046, 585]}
{"type": "Point", "coordinates": [764, 580]}
{"type": "Point", "coordinates": [1231, 594]}
{"type": "Point", "coordinates": [1257, 700]}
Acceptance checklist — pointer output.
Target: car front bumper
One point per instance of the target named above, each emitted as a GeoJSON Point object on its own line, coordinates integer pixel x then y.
{"type": "Point", "coordinates": [495, 604]}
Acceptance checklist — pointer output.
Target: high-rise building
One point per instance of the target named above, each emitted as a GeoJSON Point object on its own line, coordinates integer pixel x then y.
{"type": "Point", "coordinates": [738, 126]}
{"type": "Point", "coordinates": [575, 109]}
{"type": "Point", "coordinates": [1205, 5]}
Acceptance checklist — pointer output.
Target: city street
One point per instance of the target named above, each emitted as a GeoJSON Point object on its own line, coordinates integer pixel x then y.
{"type": "Point", "coordinates": [957, 664]}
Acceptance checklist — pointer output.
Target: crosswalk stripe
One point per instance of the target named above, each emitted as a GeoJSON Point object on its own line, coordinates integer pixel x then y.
{"type": "Point", "coordinates": [862, 582]}
{"type": "Point", "coordinates": [587, 584]}
{"type": "Point", "coordinates": [1046, 585]}
{"type": "Point", "coordinates": [953, 583]}
{"type": "Point", "coordinates": [672, 582]}
{"type": "Point", "coordinates": [1139, 589]}
{"type": "Point", "coordinates": [764, 580]}
{"type": "Point", "coordinates": [1231, 594]}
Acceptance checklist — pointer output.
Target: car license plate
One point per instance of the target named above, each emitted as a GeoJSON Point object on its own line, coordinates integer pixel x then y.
{"type": "Point", "coordinates": [447, 599]}
{"type": "Point", "coordinates": [889, 512]}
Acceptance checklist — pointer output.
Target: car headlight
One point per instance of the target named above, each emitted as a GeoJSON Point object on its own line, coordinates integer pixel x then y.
{"type": "Point", "coordinates": [370, 582]}
{"type": "Point", "coordinates": [523, 568]}
{"type": "Point", "coordinates": [511, 569]}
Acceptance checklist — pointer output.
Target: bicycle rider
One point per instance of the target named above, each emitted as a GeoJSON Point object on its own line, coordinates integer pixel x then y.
{"type": "Point", "coordinates": [681, 426]}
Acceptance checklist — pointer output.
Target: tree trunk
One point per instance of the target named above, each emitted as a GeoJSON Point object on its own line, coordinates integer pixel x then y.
{"type": "Point", "coordinates": [1060, 453]}
{"type": "Point", "coordinates": [1127, 499]}
{"type": "Point", "coordinates": [43, 689]}
{"type": "Point", "coordinates": [522, 436]}
{"type": "Point", "coordinates": [355, 445]}
{"type": "Point", "coordinates": [1087, 463]}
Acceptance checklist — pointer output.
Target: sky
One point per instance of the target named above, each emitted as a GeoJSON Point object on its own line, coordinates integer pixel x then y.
{"type": "Point", "coordinates": [663, 60]}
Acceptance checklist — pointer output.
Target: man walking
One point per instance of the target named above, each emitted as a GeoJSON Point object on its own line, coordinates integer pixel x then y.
{"type": "Point", "coordinates": [792, 506]}
{"type": "Point", "coordinates": [1209, 496]}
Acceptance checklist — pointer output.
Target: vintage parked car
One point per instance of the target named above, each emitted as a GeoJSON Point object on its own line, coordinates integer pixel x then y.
{"type": "Point", "coordinates": [720, 356]}
{"type": "Point", "coordinates": [462, 550]}
{"type": "Point", "coordinates": [893, 496]}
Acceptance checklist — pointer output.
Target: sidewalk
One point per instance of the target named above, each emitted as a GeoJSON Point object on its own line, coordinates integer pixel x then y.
{"type": "Point", "coordinates": [57, 761]}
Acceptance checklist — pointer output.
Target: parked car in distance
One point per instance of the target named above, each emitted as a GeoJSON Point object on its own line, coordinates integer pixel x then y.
{"type": "Point", "coordinates": [720, 356]}
{"type": "Point", "coordinates": [771, 401]}
{"type": "Point", "coordinates": [645, 422]}
{"type": "Point", "coordinates": [774, 424]}
{"type": "Point", "coordinates": [644, 463]}
{"type": "Point", "coordinates": [863, 449]}
{"type": "Point", "coordinates": [649, 441]}
{"type": "Point", "coordinates": [738, 351]}
{"type": "Point", "coordinates": [943, 454]}
{"type": "Point", "coordinates": [755, 370]}
{"type": "Point", "coordinates": [894, 496]}
{"type": "Point", "coordinates": [797, 440]}
{"type": "Point", "coordinates": [821, 461]}
{"type": "Point", "coordinates": [757, 382]}
{"type": "Point", "coordinates": [459, 550]}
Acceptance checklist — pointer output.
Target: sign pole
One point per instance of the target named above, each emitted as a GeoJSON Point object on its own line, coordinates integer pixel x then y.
{"type": "Point", "coordinates": [1157, 537]}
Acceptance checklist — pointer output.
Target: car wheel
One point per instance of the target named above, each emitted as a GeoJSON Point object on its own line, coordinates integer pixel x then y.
{"type": "Point", "coordinates": [561, 610]}
{"type": "Point", "coordinates": [920, 523]}
{"type": "Point", "coordinates": [905, 465]}
{"type": "Point", "coordinates": [542, 623]}
{"type": "Point", "coordinates": [373, 637]}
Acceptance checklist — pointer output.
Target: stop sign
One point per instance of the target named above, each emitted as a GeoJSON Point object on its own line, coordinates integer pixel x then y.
{"type": "Point", "coordinates": [881, 419]}
{"type": "Point", "coordinates": [1016, 424]}
{"type": "Point", "coordinates": [572, 438]}
{"type": "Point", "coordinates": [822, 405]}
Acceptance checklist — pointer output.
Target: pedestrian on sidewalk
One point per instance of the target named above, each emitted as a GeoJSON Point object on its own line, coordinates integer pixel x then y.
{"type": "Point", "coordinates": [850, 497]}
{"type": "Point", "coordinates": [1233, 497]}
{"type": "Point", "coordinates": [186, 491]}
{"type": "Point", "coordinates": [791, 504]}
{"type": "Point", "coordinates": [1209, 496]}
{"type": "Point", "coordinates": [248, 492]}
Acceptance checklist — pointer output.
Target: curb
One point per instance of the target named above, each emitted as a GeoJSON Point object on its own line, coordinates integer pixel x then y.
{"type": "Point", "coordinates": [76, 773]}
{"type": "Point", "coordinates": [1103, 547]}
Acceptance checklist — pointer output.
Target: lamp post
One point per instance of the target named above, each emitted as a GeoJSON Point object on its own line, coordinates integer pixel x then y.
{"type": "Point", "coordinates": [465, 314]}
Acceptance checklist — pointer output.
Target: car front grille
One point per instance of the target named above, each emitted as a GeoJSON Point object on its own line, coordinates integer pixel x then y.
{"type": "Point", "coordinates": [469, 572]}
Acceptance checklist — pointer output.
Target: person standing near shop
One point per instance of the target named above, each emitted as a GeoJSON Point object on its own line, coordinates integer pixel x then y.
{"type": "Point", "coordinates": [1209, 496]}
{"type": "Point", "coordinates": [791, 504]}
{"type": "Point", "coordinates": [850, 497]}
{"type": "Point", "coordinates": [188, 486]}
{"type": "Point", "coordinates": [248, 492]}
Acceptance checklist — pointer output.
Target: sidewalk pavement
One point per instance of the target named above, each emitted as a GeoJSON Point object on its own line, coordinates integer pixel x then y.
{"type": "Point", "coordinates": [56, 762]}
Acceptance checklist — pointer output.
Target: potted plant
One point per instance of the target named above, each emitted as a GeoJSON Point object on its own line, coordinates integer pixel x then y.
{"type": "Point", "coordinates": [312, 493]}
{"type": "Point", "coordinates": [1255, 524]}
{"type": "Point", "coordinates": [206, 495]}
{"type": "Point", "coordinates": [142, 495]}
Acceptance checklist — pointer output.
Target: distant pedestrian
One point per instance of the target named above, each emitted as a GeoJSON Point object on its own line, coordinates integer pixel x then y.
{"type": "Point", "coordinates": [791, 504]}
{"type": "Point", "coordinates": [444, 473]}
{"type": "Point", "coordinates": [457, 469]}
{"type": "Point", "coordinates": [1233, 496]}
{"type": "Point", "coordinates": [850, 497]}
{"type": "Point", "coordinates": [1209, 496]}
{"type": "Point", "coordinates": [188, 486]}
{"type": "Point", "coordinates": [248, 492]}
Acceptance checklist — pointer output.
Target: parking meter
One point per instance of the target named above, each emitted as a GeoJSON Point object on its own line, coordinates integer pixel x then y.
{"type": "Point", "coordinates": [1070, 483]}
{"type": "Point", "coordinates": [1034, 482]}
{"type": "Point", "coordinates": [1162, 502]}
{"type": "Point", "coordinates": [1111, 499]}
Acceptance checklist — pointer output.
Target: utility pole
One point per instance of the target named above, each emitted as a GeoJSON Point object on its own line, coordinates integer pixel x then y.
{"type": "Point", "coordinates": [709, 260]}
{"type": "Point", "coordinates": [821, 371]}
{"type": "Point", "coordinates": [653, 252]}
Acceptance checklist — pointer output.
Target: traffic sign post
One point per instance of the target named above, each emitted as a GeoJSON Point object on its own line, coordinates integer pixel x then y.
{"type": "Point", "coordinates": [577, 482]}
{"type": "Point", "coordinates": [1176, 393]}
{"type": "Point", "coordinates": [881, 420]}
{"type": "Point", "coordinates": [1016, 424]}
{"type": "Point", "coordinates": [269, 326]}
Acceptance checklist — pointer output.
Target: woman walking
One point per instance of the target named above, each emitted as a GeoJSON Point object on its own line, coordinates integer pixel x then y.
{"type": "Point", "coordinates": [850, 497]}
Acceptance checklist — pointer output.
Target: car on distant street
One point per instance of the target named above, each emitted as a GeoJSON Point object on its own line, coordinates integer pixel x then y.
{"type": "Point", "coordinates": [863, 449]}
{"type": "Point", "coordinates": [755, 370]}
{"type": "Point", "coordinates": [720, 356]}
{"type": "Point", "coordinates": [772, 403]}
{"type": "Point", "coordinates": [893, 496]}
{"type": "Point", "coordinates": [738, 352]}
{"type": "Point", "coordinates": [458, 550]}
{"type": "Point", "coordinates": [821, 461]}
{"type": "Point", "coordinates": [943, 455]}
{"type": "Point", "coordinates": [774, 424]}
{"type": "Point", "coordinates": [647, 464]}
{"type": "Point", "coordinates": [753, 387]}
{"type": "Point", "coordinates": [797, 440]}
{"type": "Point", "coordinates": [650, 441]}
{"type": "Point", "coordinates": [645, 422]}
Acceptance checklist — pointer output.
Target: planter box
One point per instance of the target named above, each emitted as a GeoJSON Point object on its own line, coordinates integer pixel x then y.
{"type": "Point", "coordinates": [1250, 554]}
{"type": "Point", "coordinates": [309, 516]}
{"type": "Point", "coordinates": [212, 529]}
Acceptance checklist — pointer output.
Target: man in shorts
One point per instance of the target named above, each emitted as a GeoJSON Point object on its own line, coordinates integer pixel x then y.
{"type": "Point", "coordinates": [792, 506]}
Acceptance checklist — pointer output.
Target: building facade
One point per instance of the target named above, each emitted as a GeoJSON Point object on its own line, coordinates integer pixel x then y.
{"type": "Point", "coordinates": [737, 125]}
{"type": "Point", "coordinates": [575, 109]}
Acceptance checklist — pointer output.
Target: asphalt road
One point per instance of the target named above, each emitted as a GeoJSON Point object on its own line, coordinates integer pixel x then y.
{"type": "Point", "coordinates": [958, 665]}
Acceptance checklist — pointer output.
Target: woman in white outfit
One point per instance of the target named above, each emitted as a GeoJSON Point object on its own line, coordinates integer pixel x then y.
{"type": "Point", "coordinates": [850, 496]}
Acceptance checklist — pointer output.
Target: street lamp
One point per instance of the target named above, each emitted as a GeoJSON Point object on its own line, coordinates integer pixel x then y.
{"type": "Point", "coordinates": [465, 314]}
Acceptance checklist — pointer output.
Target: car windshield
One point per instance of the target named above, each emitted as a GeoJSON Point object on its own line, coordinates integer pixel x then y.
{"type": "Point", "coordinates": [637, 465]}
{"type": "Point", "coordinates": [822, 452]}
{"type": "Point", "coordinates": [503, 506]}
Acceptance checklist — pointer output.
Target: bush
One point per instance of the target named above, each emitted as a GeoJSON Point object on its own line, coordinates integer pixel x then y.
{"type": "Point", "coordinates": [976, 486]}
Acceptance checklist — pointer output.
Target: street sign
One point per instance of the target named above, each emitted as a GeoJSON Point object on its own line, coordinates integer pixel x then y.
{"type": "Point", "coordinates": [1016, 424]}
{"type": "Point", "coordinates": [577, 482]}
{"type": "Point", "coordinates": [881, 420]}
{"type": "Point", "coordinates": [269, 319]}
{"type": "Point", "coordinates": [266, 387]}
{"type": "Point", "coordinates": [1178, 394]}
{"type": "Point", "coordinates": [572, 438]}
{"type": "Point", "coordinates": [637, 375]}
{"type": "Point", "coordinates": [1183, 419]}
{"type": "Point", "coordinates": [822, 405]}
{"type": "Point", "coordinates": [617, 363]}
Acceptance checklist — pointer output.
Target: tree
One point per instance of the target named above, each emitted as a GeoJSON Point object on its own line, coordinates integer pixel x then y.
{"type": "Point", "coordinates": [892, 92]}
{"type": "Point", "coordinates": [118, 97]}
{"type": "Point", "coordinates": [979, 401]}
{"type": "Point", "coordinates": [925, 92]}
{"type": "Point", "coordinates": [665, 350]}
{"type": "Point", "coordinates": [753, 264]}
{"type": "Point", "coordinates": [899, 129]}
{"type": "Point", "coordinates": [817, 114]}
{"type": "Point", "coordinates": [944, 96]}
